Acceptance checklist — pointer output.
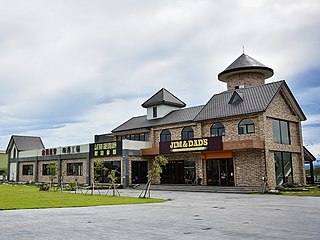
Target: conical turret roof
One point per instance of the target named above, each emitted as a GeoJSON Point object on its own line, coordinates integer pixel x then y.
{"type": "Point", "coordinates": [245, 63]}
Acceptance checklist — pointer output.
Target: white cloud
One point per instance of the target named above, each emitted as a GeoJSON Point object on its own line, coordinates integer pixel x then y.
{"type": "Point", "coordinates": [66, 65]}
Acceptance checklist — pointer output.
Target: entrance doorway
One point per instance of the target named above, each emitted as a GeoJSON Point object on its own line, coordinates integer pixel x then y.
{"type": "Point", "coordinates": [139, 172]}
{"type": "Point", "coordinates": [178, 172]}
{"type": "Point", "coordinates": [220, 172]}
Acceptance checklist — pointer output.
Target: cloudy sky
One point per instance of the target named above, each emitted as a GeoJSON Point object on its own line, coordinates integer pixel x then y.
{"type": "Point", "coordinates": [72, 69]}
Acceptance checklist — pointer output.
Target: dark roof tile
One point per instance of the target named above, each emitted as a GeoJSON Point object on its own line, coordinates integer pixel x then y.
{"type": "Point", "coordinates": [163, 96]}
{"type": "Point", "coordinates": [176, 116]}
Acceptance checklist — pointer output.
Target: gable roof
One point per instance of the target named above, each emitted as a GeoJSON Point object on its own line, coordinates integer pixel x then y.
{"type": "Point", "coordinates": [252, 100]}
{"type": "Point", "coordinates": [245, 63]}
{"type": "Point", "coordinates": [176, 116]}
{"type": "Point", "coordinates": [255, 99]}
{"type": "Point", "coordinates": [25, 143]}
{"type": "Point", "coordinates": [308, 157]}
{"type": "Point", "coordinates": [163, 97]}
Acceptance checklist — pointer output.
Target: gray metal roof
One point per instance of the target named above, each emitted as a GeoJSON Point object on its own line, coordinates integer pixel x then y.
{"type": "Point", "coordinates": [308, 157]}
{"type": "Point", "coordinates": [176, 116]}
{"type": "Point", "coordinates": [245, 63]}
{"type": "Point", "coordinates": [26, 142]}
{"type": "Point", "coordinates": [163, 96]}
{"type": "Point", "coordinates": [255, 99]}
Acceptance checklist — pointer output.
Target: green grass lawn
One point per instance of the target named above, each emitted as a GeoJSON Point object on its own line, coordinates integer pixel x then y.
{"type": "Point", "coordinates": [26, 197]}
{"type": "Point", "coordinates": [312, 192]}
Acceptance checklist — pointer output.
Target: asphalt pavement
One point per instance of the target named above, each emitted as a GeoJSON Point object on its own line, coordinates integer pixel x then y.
{"type": "Point", "coordinates": [186, 215]}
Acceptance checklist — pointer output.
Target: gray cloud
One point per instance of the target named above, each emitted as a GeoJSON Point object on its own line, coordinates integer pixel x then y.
{"type": "Point", "coordinates": [70, 69]}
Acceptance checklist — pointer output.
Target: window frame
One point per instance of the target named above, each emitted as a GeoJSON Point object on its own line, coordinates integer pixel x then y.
{"type": "Point", "coordinates": [77, 169]}
{"type": "Point", "coordinates": [165, 135]}
{"type": "Point", "coordinates": [155, 112]}
{"type": "Point", "coordinates": [217, 126]}
{"type": "Point", "coordinates": [283, 134]}
{"type": "Point", "coordinates": [245, 124]}
{"type": "Point", "coordinates": [26, 168]}
{"type": "Point", "coordinates": [45, 170]}
{"type": "Point", "coordinates": [187, 133]}
{"type": "Point", "coordinates": [279, 160]}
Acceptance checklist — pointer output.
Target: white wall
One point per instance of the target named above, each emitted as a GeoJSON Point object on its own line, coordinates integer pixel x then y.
{"type": "Point", "coordinates": [13, 172]}
{"type": "Point", "coordinates": [84, 148]}
{"type": "Point", "coordinates": [134, 145]}
{"type": "Point", "coordinates": [163, 110]}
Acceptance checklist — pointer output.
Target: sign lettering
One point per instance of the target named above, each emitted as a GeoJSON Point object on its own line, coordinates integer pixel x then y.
{"type": "Point", "coordinates": [197, 144]}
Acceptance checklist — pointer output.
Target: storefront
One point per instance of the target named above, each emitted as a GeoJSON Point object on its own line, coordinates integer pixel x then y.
{"type": "Point", "coordinates": [105, 157]}
{"type": "Point", "coordinates": [240, 137]}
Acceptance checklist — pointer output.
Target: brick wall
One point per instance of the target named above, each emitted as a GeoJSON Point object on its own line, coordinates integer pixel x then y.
{"type": "Point", "coordinates": [45, 178]}
{"type": "Point", "coordinates": [249, 166]}
{"type": "Point", "coordinates": [246, 79]}
{"type": "Point", "coordinates": [280, 109]}
{"type": "Point", "coordinates": [26, 178]}
{"type": "Point", "coordinates": [68, 179]}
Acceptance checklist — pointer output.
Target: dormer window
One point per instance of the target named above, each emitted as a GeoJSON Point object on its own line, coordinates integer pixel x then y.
{"type": "Point", "coordinates": [237, 97]}
{"type": "Point", "coordinates": [155, 112]}
{"type": "Point", "coordinates": [161, 104]}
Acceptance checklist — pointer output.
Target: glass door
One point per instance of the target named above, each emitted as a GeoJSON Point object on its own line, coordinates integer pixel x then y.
{"type": "Point", "coordinates": [220, 172]}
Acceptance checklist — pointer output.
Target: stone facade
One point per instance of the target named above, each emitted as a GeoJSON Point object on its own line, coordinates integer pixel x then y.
{"type": "Point", "coordinates": [45, 178]}
{"type": "Point", "coordinates": [248, 79]}
{"type": "Point", "coordinates": [251, 163]}
{"type": "Point", "coordinates": [81, 179]}
{"type": "Point", "coordinates": [26, 178]}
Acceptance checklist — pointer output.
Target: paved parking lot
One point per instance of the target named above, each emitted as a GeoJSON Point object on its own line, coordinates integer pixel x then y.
{"type": "Point", "coordinates": [185, 216]}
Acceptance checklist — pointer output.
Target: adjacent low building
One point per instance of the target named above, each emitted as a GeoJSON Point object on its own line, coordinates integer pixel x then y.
{"type": "Point", "coordinates": [3, 165]}
{"type": "Point", "coordinates": [248, 135]}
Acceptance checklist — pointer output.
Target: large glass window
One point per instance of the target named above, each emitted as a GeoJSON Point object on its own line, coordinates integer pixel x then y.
{"type": "Point", "coordinates": [137, 137]}
{"type": "Point", "coordinates": [283, 167]}
{"type": "Point", "coordinates": [27, 169]}
{"type": "Point", "coordinates": [217, 129]}
{"type": "Point", "coordinates": [281, 133]}
{"type": "Point", "coordinates": [74, 169]}
{"type": "Point", "coordinates": [165, 136]}
{"type": "Point", "coordinates": [139, 172]}
{"type": "Point", "coordinates": [102, 175]}
{"type": "Point", "coordinates": [187, 133]}
{"type": "Point", "coordinates": [246, 126]}
{"type": "Point", "coordinates": [45, 169]}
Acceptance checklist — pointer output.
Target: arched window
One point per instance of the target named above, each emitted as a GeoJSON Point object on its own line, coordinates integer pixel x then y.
{"type": "Point", "coordinates": [165, 136]}
{"type": "Point", "coordinates": [187, 133]}
{"type": "Point", "coordinates": [246, 126]}
{"type": "Point", "coordinates": [217, 129]}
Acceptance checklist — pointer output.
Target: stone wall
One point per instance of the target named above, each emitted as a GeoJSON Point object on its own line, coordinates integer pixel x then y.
{"type": "Point", "coordinates": [249, 166]}
{"type": "Point", "coordinates": [248, 79]}
{"type": "Point", "coordinates": [67, 178]}
{"type": "Point", "coordinates": [26, 178]}
{"type": "Point", "coordinates": [281, 109]}
{"type": "Point", "coordinates": [45, 178]}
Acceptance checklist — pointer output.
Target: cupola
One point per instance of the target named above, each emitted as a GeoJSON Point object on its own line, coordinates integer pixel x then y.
{"type": "Point", "coordinates": [162, 103]}
{"type": "Point", "coordinates": [245, 72]}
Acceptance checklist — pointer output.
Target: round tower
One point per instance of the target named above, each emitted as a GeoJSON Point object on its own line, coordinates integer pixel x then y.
{"type": "Point", "coordinates": [245, 72]}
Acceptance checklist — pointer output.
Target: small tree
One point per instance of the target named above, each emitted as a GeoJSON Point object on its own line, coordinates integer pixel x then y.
{"type": "Point", "coordinates": [113, 178]}
{"type": "Point", "coordinates": [53, 172]}
{"type": "Point", "coordinates": [154, 174]}
{"type": "Point", "coordinates": [98, 169]}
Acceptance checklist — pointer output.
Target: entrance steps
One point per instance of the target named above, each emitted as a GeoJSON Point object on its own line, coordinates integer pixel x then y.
{"type": "Point", "coordinates": [193, 188]}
